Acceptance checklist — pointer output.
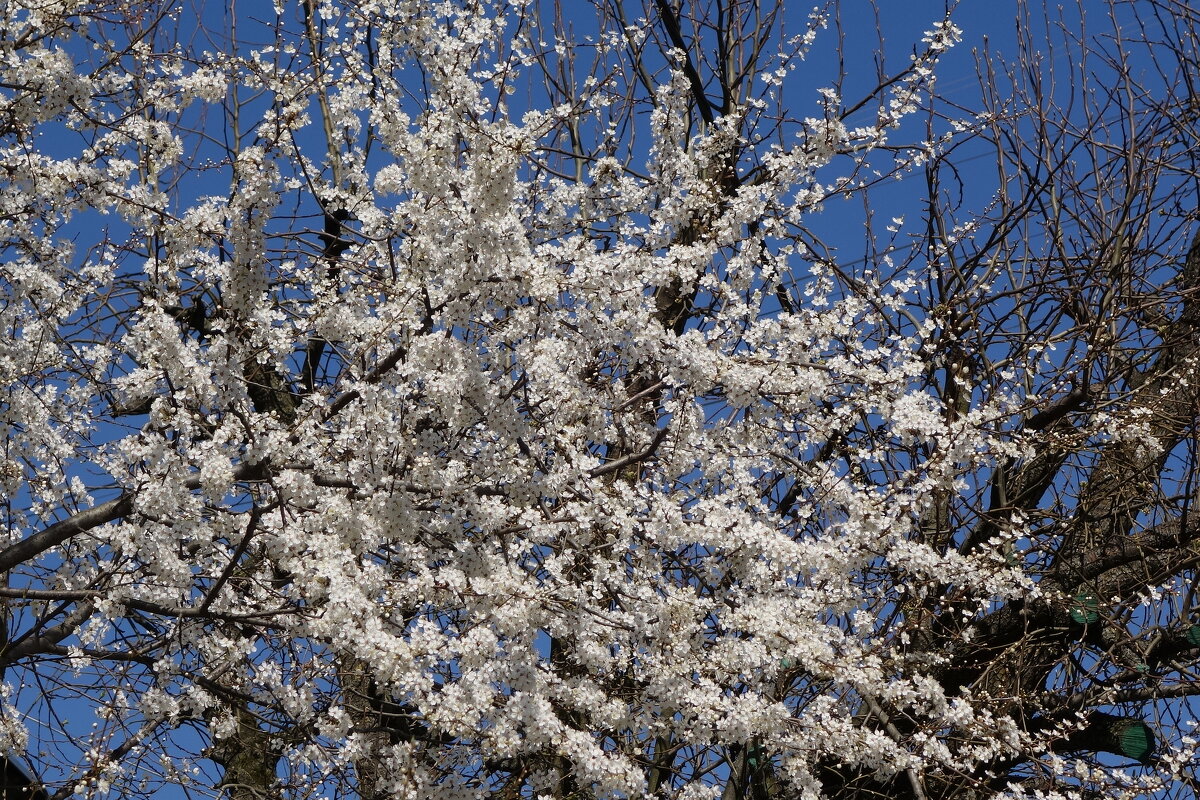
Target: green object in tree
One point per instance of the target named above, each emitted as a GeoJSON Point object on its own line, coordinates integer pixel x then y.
{"type": "Point", "coordinates": [1193, 635]}
{"type": "Point", "coordinates": [1086, 609]}
{"type": "Point", "coordinates": [1136, 739]}
{"type": "Point", "coordinates": [754, 755]}
{"type": "Point", "coordinates": [1109, 733]}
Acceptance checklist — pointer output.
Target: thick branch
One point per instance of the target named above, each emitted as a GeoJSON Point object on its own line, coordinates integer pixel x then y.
{"type": "Point", "coordinates": [83, 521]}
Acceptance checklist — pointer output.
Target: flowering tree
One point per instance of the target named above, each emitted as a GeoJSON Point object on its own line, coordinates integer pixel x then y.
{"type": "Point", "coordinates": [472, 400]}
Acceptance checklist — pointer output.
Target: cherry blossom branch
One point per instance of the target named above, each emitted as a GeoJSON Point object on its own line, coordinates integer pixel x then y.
{"type": "Point", "coordinates": [83, 521]}
{"type": "Point", "coordinates": [632, 458]}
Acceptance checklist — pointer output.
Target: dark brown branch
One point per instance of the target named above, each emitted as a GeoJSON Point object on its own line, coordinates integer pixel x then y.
{"type": "Point", "coordinates": [632, 458]}
{"type": "Point", "coordinates": [671, 23]}
{"type": "Point", "coordinates": [82, 521]}
{"type": "Point", "coordinates": [51, 636]}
